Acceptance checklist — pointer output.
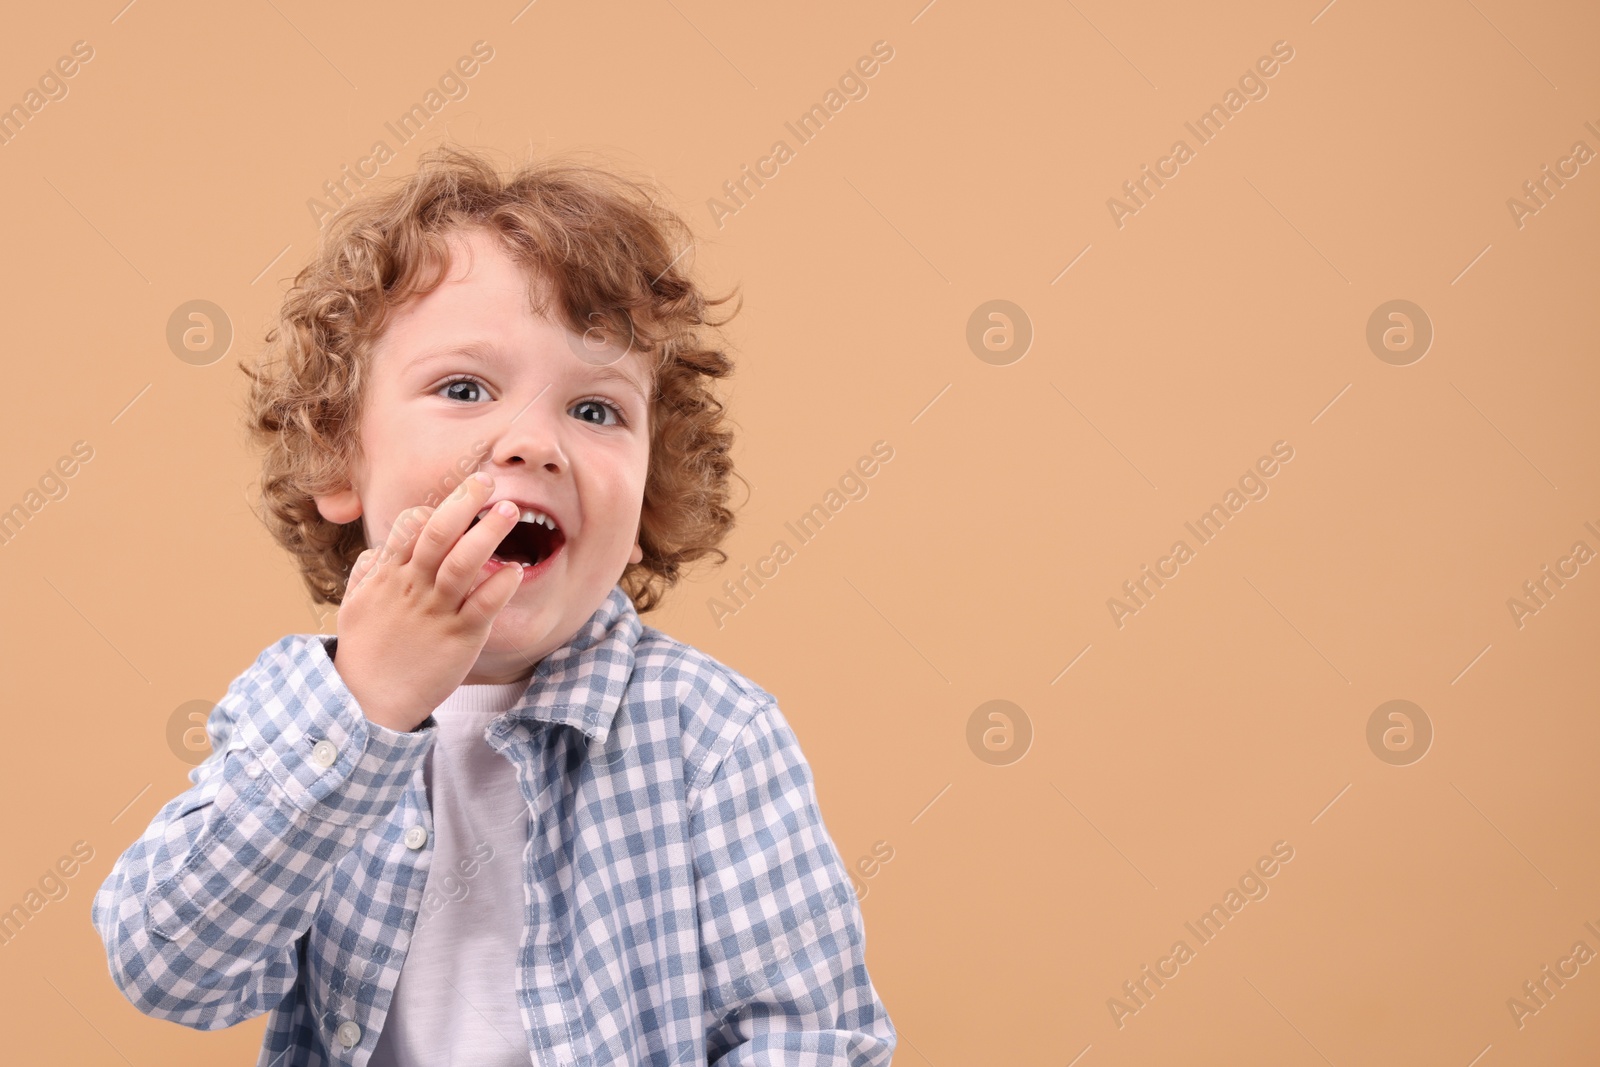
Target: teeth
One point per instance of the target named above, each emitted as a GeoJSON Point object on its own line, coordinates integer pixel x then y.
{"type": "Point", "coordinates": [530, 515]}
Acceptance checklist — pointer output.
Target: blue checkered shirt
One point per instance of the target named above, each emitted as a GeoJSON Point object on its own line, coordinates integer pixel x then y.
{"type": "Point", "coordinates": [686, 904]}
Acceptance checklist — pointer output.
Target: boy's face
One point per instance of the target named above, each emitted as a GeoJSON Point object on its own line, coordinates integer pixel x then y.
{"type": "Point", "coordinates": [546, 436]}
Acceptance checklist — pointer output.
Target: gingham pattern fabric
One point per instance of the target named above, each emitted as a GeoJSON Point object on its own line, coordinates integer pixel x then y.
{"type": "Point", "coordinates": [686, 904]}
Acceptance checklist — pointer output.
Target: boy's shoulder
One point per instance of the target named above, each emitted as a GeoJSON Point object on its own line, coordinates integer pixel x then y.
{"type": "Point", "coordinates": [715, 703]}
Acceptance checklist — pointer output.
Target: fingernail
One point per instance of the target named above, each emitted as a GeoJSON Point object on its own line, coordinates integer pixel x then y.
{"type": "Point", "coordinates": [483, 478]}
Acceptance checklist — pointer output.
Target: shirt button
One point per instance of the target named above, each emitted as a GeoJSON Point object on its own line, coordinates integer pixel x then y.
{"type": "Point", "coordinates": [349, 1033]}
{"type": "Point", "coordinates": [324, 754]}
{"type": "Point", "coordinates": [252, 769]}
{"type": "Point", "coordinates": [416, 837]}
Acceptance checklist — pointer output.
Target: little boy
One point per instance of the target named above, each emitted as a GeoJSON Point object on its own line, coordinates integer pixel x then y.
{"type": "Point", "coordinates": [497, 820]}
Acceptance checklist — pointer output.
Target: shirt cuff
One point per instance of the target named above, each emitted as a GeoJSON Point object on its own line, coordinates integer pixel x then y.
{"type": "Point", "coordinates": [312, 738]}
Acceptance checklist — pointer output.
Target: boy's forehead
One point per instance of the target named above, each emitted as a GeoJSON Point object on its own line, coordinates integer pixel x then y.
{"type": "Point", "coordinates": [413, 340]}
{"type": "Point", "coordinates": [479, 256]}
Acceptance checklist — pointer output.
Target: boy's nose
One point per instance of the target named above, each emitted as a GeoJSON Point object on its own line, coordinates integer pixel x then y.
{"type": "Point", "coordinates": [527, 440]}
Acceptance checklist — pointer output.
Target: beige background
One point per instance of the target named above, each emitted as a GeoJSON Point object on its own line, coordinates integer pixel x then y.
{"type": "Point", "coordinates": [1229, 313]}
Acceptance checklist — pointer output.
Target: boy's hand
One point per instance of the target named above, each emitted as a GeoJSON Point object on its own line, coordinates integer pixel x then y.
{"type": "Point", "coordinates": [412, 624]}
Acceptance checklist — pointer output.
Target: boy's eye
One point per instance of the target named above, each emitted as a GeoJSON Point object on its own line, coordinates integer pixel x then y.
{"type": "Point", "coordinates": [592, 403]}
{"type": "Point", "coordinates": [463, 388]}
{"type": "Point", "coordinates": [468, 390]}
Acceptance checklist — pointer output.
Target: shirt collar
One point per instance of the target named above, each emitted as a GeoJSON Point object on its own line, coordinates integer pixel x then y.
{"type": "Point", "coordinates": [581, 683]}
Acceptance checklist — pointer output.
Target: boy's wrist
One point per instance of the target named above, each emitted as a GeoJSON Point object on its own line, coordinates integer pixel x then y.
{"type": "Point", "coordinates": [398, 724]}
{"type": "Point", "coordinates": [400, 720]}
{"type": "Point", "coordinates": [314, 741]}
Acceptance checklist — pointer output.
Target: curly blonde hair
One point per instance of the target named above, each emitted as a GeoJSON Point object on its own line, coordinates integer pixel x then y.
{"type": "Point", "coordinates": [612, 254]}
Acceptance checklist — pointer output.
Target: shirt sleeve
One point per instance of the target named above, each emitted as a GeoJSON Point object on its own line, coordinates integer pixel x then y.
{"type": "Point", "coordinates": [783, 948]}
{"type": "Point", "coordinates": [201, 914]}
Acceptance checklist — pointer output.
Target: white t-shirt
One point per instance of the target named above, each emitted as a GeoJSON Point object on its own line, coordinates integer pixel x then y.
{"type": "Point", "coordinates": [456, 1001]}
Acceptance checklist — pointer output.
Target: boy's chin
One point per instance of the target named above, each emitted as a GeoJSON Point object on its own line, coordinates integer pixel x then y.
{"type": "Point", "coordinates": [519, 633]}
{"type": "Point", "coordinates": [506, 658]}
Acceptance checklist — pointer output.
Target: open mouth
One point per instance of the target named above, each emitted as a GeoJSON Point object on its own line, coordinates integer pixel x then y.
{"type": "Point", "coordinates": [530, 541]}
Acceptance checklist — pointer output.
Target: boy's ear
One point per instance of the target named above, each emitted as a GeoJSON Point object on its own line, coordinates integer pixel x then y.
{"type": "Point", "coordinates": [340, 506]}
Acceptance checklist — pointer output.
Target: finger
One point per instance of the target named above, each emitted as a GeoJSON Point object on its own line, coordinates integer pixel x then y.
{"type": "Point", "coordinates": [445, 526]}
{"type": "Point", "coordinates": [463, 566]}
{"type": "Point", "coordinates": [369, 561]}
{"type": "Point", "coordinates": [359, 571]}
{"type": "Point", "coordinates": [495, 591]}
{"type": "Point", "coordinates": [398, 547]}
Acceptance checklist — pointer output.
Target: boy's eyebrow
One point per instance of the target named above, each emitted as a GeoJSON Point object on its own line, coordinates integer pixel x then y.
{"type": "Point", "coordinates": [476, 349]}
{"type": "Point", "coordinates": [487, 352]}
{"type": "Point", "coordinates": [615, 375]}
